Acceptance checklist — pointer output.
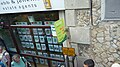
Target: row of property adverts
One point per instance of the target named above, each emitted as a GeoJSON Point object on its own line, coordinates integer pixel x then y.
{"type": "Point", "coordinates": [36, 23]}
{"type": "Point", "coordinates": [52, 47]}
{"type": "Point", "coordinates": [38, 31]}
{"type": "Point", "coordinates": [40, 39]}
{"type": "Point", "coordinates": [44, 61]}
{"type": "Point", "coordinates": [52, 55]}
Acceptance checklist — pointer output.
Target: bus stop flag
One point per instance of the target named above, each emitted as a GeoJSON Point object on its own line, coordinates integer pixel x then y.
{"type": "Point", "coordinates": [60, 30]}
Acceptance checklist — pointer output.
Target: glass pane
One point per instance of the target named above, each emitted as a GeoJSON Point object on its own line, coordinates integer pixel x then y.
{"type": "Point", "coordinates": [34, 41]}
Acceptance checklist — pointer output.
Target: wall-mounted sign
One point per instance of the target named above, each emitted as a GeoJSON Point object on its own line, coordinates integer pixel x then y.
{"type": "Point", "coordinates": [68, 51]}
{"type": "Point", "coordinates": [60, 30]}
{"type": "Point", "coordinates": [15, 6]}
{"type": "Point", "coordinates": [47, 4]}
{"type": "Point", "coordinates": [65, 50]}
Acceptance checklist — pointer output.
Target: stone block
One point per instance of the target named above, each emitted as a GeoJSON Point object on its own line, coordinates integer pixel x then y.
{"type": "Point", "coordinates": [80, 35]}
{"type": "Point", "coordinates": [70, 16]}
{"type": "Point", "coordinates": [77, 4]}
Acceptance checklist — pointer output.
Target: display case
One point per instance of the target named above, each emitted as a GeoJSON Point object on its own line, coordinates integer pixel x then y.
{"type": "Point", "coordinates": [33, 35]}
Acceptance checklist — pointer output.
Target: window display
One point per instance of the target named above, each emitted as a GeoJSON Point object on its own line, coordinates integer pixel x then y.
{"type": "Point", "coordinates": [42, 61]}
{"type": "Point", "coordinates": [40, 54]}
{"type": "Point", "coordinates": [38, 46]}
{"type": "Point", "coordinates": [49, 39]}
{"type": "Point", "coordinates": [34, 35]}
{"type": "Point", "coordinates": [36, 38]}
{"type": "Point", "coordinates": [51, 47]}
{"type": "Point", "coordinates": [48, 31]}
{"type": "Point", "coordinates": [31, 45]}
{"type": "Point", "coordinates": [40, 31]}
{"type": "Point", "coordinates": [43, 46]}
{"type": "Point", "coordinates": [42, 40]}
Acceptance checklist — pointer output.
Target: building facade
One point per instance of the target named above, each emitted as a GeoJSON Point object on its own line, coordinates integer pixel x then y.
{"type": "Point", "coordinates": [89, 35]}
{"type": "Point", "coordinates": [104, 44]}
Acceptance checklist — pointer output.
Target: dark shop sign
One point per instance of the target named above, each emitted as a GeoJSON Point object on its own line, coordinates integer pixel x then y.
{"type": "Point", "coordinates": [14, 6]}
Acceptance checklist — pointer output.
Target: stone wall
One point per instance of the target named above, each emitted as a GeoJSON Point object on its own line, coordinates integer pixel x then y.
{"type": "Point", "coordinates": [105, 37]}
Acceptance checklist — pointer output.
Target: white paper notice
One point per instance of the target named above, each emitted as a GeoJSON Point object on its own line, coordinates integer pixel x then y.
{"type": "Point", "coordinates": [53, 30]}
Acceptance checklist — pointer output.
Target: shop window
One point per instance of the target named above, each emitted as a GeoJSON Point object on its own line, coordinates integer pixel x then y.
{"type": "Point", "coordinates": [33, 35]}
